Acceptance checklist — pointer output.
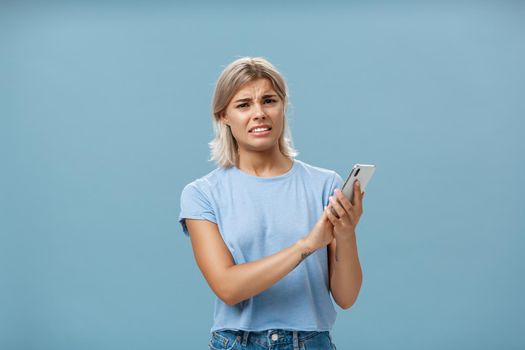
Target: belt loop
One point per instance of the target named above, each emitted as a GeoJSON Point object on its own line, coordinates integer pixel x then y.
{"type": "Point", "coordinates": [295, 341]}
{"type": "Point", "coordinates": [245, 335]}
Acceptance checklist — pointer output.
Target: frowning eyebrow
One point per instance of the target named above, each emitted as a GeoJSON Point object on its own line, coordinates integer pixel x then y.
{"type": "Point", "coordinates": [249, 99]}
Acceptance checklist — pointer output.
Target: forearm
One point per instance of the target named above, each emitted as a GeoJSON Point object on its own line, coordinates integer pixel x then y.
{"type": "Point", "coordinates": [347, 275]}
{"type": "Point", "coordinates": [252, 278]}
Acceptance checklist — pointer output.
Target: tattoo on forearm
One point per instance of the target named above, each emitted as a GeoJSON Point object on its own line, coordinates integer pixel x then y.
{"type": "Point", "coordinates": [303, 256]}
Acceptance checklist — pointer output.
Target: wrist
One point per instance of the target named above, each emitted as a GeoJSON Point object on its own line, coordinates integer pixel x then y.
{"type": "Point", "coordinates": [306, 245]}
{"type": "Point", "coordinates": [350, 237]}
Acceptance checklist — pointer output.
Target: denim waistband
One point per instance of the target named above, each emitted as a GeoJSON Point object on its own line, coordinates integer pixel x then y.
{"type": "Point", "coordinates": [270, 337]}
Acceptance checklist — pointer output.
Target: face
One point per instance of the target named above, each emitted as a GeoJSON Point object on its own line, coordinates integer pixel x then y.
{"type": "Point", "coordinates": [256, 103]}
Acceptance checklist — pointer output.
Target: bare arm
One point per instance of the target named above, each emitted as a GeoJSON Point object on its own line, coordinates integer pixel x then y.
{"type": "Point", "coordinates": [346, 276]}
{"type": "Point", "coordinates": [235, 283]}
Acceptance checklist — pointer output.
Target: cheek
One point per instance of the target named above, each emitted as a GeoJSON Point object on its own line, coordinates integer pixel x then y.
{"type": "Point", "coordinates": [236, 131]}
{"type": "Point", "coordinates": [239, 130]}
{"type": "Point", "coordinates": [280, 124]}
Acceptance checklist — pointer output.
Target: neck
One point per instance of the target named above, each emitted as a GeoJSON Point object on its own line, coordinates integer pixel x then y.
{"type": "Point", "coordinates": [264, 164]}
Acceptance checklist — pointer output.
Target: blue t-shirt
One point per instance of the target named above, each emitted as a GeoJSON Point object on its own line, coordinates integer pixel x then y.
{"type": "Point", "coordinates": [258, 217]}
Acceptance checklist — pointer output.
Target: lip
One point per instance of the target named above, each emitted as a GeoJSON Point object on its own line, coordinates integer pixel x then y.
{"type": "Point", "coordinates": [259, 126]}
{"type": "Point", "coordinates": [261, 134]}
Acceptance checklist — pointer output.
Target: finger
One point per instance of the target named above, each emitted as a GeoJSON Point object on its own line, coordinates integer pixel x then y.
{"type": "Point", "coordinates": [338, 208]}
{"type": "Point", "coordinates": [343, 200]}
{"type": "Point", "coordinates": [334, 213]}
{"type": "Point", "coordinates": [329, 214]}
{"type": "Point", "coordinates": [352, 217]}
{"type": "Point", "coordinates": [358, 197]}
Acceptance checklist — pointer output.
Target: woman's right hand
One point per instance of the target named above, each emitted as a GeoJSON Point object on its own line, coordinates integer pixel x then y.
{"type": "Point", "coordinates": [321, 234]}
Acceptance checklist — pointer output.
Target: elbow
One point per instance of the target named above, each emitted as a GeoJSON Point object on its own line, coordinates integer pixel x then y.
{"type": "Point", "coordinates": [227, 296]}
{"type": "Point", "coordinates": [346, 306]}
{"type": "Point", "coordinates": [225, 291]}
{"type": "Point", "coordinates": [228, 299]}
{"type": "Point", "coordinates": [233, 297]}
{"type": "Point", "coordinates": [231, 292]}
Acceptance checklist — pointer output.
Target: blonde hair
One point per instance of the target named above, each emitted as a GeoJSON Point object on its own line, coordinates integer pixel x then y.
{"type": "Point", "coordinates": [224, 148]}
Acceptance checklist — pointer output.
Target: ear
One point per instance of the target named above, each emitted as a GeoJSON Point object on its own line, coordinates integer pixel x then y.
{"type": "Point", "coordinates": [224, 119]}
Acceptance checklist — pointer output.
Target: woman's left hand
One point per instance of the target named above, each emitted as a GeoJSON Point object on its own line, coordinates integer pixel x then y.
{"type": "Point", "coordinates": [349, 214]}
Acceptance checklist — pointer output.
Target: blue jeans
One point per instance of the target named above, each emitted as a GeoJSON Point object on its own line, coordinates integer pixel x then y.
{"type": "Point", "coordinates": [272, 339]}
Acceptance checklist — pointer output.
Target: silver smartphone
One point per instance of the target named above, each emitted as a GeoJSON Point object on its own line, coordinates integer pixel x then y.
{"type": "Point", "coordinates": [361, 172]}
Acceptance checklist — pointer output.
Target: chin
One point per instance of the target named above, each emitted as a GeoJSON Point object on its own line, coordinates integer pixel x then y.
{"type": "Point", "coordinates": [262, 147]}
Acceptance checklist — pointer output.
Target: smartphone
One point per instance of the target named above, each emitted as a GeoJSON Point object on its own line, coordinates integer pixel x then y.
{"type": "Point", "coordinates": [361, 172]}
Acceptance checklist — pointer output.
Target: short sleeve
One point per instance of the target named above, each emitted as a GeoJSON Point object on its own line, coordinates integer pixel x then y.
{"type": "Point", "coordinates": [337, 182]}
{"type": "Point", "coordinates": [194, 204]}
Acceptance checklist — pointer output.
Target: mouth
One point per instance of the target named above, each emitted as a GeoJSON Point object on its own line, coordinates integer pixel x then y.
{"type": "Point", "coordinates": [260, 130]}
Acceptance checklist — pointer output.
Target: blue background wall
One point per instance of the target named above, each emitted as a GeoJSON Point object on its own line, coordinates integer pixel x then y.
{"type": "Point", "coordinates": [104, 117]}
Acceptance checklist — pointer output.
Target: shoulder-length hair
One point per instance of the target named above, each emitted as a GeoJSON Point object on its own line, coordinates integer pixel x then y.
{"type": "Point", "coordinates": [224, 148]}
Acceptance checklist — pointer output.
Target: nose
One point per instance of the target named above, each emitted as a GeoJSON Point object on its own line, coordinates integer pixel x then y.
{"type": "Point", "coordinates": [258, 113]}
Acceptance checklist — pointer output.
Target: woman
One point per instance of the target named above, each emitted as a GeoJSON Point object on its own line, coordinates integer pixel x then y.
{"type": "Point", "coordinates": [259, 224]}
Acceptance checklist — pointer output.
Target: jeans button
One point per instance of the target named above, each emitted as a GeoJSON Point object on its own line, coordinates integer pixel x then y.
{"type": "Point", "coordinates": [275, 337]}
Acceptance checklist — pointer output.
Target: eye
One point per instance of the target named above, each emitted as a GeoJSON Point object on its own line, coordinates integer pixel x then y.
{"type": "Point", "coordinates": [242, 105]}
{"type": "Point", "coordinates": [270, 99]}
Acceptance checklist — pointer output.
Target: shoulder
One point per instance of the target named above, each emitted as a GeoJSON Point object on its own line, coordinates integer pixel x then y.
{"type": "Point", "coordinates": [317, 172]}
{"type": "Point", "coordinates": [204, 184]}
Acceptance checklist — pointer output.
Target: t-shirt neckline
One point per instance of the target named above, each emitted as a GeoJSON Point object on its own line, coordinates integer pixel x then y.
{"type": "Point", "coordinates": [271, 178]}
